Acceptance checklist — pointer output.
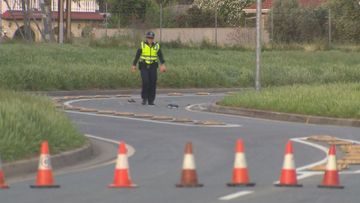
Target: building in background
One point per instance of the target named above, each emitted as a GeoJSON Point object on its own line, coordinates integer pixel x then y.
{"type": "Point", "coordinates": [85, 14]}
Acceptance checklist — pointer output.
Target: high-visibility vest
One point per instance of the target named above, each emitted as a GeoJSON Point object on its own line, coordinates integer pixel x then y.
{"type": "Point", "coordinates": [149, 54]}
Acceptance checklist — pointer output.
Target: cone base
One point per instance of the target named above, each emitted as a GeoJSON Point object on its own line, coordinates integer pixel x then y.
{"type": "Point", "coordinates": [4, 187]}
{"type": "Point", "coordinates": [331, 186]}
{"type": "Point", "coordinates": [123, 186]}
{"type": "Point", "coordinates": [189, 185]}
{"type": "Point", "coordinates": [44, 186]}
{"type": "Point", "coordinates": [240, 184]}
{"type": "Point", "coordinates": [288, 185]}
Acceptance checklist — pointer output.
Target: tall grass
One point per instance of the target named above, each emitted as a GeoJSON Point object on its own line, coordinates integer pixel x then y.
{"type": "Point", "coordinates": [334, 100]}
{"type": "Point", "coordinates": [67, 67]}
{"type": "Point", "coordinates": [26, 120]}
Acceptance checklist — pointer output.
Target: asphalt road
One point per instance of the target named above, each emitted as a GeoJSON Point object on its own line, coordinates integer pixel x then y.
{"type": "Point", "coordinates": [157, 162]}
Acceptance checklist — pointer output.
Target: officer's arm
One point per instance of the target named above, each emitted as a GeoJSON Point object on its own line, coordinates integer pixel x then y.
{"type": "Point", "coordinates": [161, 57]}
{"type": "Point", "coordinates": [137, 57]}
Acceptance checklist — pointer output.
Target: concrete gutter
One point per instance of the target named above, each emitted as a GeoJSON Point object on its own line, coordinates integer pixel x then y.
{"type": "Point", "coordinates": [25, 167]}
{"type": "Point", "coordinates": [283, 116]}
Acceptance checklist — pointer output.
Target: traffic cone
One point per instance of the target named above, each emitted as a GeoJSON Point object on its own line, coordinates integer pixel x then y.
{"type": "Point", "coordinates": [44, 177]}
{"type": "Point", "coordinates": [122, 175]}
{"type": "Point", "coordinates": [188, 174]}
{"type": "Point", "coordinates": [240, 172]}
{"type": "Point", "coordinates": [3, 184]}
{"type": "Point", "coordinates": [331, 175]}
{"type": "Point", "coordinates": [288, 176]}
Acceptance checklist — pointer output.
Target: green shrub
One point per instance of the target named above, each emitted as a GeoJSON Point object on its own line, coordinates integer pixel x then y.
{"type": "Point", "coordinates": [27, 120]}
{"type": "Point", "coordinates": [334, 100]}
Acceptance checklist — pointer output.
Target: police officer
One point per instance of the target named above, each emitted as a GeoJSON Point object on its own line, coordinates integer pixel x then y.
{"type": "Point", "coordinates": [149, 54]}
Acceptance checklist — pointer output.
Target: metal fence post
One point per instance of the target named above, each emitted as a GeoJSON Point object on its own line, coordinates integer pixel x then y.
{"type": "Point", "coordinates": [61, 21]}
{"type": "Point", "coordinates": [330, 27]}
{"type": "Point", "coordinates": [216, 26]}
{"type": "Point", "coordinates": [258, 45]}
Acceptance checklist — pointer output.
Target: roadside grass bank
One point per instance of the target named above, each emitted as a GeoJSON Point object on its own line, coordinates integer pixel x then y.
{"type": "Point", "coordinates": [69, 67]}
{"type": "Point", "coordinates": [26, 120]}
{"type": "Point", "coordinates": [332, 100]}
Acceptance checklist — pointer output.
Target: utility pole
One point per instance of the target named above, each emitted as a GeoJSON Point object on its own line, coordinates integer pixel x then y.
{"type": "Point", "coordinates": [258, 45]}
{"type": "Point", "coordinates": [68, 20]}
{"type": "Point", "coordinates": [61, 21]}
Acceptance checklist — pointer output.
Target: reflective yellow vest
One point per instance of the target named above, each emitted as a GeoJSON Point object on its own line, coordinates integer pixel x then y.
{"type": "Point", "coordinates": [149, 54]}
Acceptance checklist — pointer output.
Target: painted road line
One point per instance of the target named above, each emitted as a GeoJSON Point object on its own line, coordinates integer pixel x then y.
{"type": "Point", "coordinates": [155, 121]}
{"type": "Point", "coordinates": [302, 170]}
{"type": "Point", "coordinates": [131, 150]}
{"type": "Point", "coordinates": [302, 140]}
{"type": "Point", "coordinates": [68, 170]}
{"type": "Point", "coordinates": [236, 195]}
{"type": "Point", "coordinates": [136, 97]}
{"type": "Point", "coordinates": [189, 108]}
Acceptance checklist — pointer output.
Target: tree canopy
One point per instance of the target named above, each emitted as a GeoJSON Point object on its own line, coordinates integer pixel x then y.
{"type": "Point", "coordinates": [231, 10]}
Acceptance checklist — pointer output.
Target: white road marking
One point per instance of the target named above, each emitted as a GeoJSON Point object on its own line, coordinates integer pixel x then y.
{"type": "Point", "coordinates": [131, 151]}
{"type": "Point", "coordinates": [147, 120]}
{"type": "Point", "coordinates": [301, 170]}
{"type": "Point", "coordinates": [236, 195]}
{"type": "Point", "coordinates": [188, 108]}
{"type": "Point", "coordinates": [320, 147]}
{"type": "Point", "coordinates": [158, 122]}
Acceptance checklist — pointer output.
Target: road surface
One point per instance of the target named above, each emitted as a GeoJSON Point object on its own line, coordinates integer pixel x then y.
{"type": "Point", "coordinates": [156, 164]}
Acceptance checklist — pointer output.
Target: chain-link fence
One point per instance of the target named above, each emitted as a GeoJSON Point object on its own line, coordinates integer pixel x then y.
{"type": "Point", "coordinates": [176, 23]}
{"type": "Point", "coordinates": [285, 22]}
{"type": "Point", "coordinates": [215, 23]}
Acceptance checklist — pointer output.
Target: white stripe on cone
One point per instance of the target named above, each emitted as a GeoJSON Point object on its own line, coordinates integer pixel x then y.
{"type": "Point", "coordinates": [44, 162]}
{"type": "Point", "coordinates": [240, 161]}
{"type": "Point", "coordinates": [189, 162]}
{"type": "Point", "coordinates": [331, 164]}
{"type": "Point", "coordinates": [122, 162]}
{"type": "Point", "coordinates": [289, 163]}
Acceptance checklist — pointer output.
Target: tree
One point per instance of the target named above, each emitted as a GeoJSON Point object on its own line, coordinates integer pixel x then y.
{"type": "Point", "coordinates": [294, 23]}
{"type": "Point", "coordinates": [196, 17]}
{"type": "Point", "coordinates": [129, 10]}
{"type": "Point", "coordinates": [286, 14]}
{"type": "Point", "coordinates": [346, 20]}
{"type": "Point", "coordinates": [231, 10]}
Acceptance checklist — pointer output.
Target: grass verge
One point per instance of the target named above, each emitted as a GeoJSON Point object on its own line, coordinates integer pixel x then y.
{"type": "Point", "coordinates": [333, 100]}
{"type": "Point", "coordinates": [26, 120]}
{"type": "Point", "coordinates": [68, 67]}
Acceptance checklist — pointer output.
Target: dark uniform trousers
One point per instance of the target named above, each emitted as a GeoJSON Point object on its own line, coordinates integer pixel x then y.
{"type": "Point", "coordinates": [149, 78]}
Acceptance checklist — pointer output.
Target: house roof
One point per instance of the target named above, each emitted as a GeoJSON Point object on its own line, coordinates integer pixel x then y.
{"type": "Point", "coordinates": [18, 15]}
{"type": "Point", "coordinates": [267, 4]}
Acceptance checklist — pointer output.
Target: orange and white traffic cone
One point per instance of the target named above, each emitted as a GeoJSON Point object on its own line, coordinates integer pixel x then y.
{"type": "Point", "coordinates": [288, 176]}
{"type": "Point", "coordinates": [240, 171]}
{"type": "Point", "coordinates": [44, 177]}
{"type": "Point", "coordinates": [3, 184]}
{"type": "Point", "coordinates": [331, 176]}
{"type": "Point", "coordinates": [188, 174]}
{"type": "Point", "coordinates": [122, 175]}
